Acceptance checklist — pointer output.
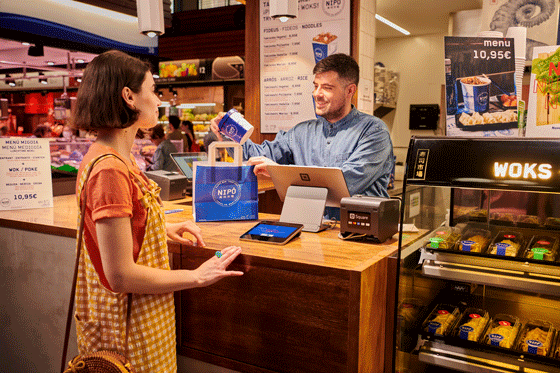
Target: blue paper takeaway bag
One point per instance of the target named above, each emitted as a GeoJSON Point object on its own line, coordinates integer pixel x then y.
{"type": "Point", "coordinates": [224, 190]}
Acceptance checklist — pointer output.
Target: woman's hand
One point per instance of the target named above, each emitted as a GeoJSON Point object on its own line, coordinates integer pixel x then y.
{"type": "Point", "coordinates": [214, 269]}
{"type": "Point", "coordinates": [175, 232]}
{"type": "Point", "coordinates": [214, 125]}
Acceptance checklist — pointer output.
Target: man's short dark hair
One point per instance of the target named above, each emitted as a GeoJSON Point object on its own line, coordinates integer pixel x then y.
{"type": "Point", "coordinates": [157, 132]}
{"type": "Point", "coordinates": [175, 121]}
{"type": "Point", "coordinates": [346, 67]}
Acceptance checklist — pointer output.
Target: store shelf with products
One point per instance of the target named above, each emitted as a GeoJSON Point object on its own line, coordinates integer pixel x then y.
{"type": "Point", "coordinates": [480, 292]}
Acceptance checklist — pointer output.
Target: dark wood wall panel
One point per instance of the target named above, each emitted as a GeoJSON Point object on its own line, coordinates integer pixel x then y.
{"type": "Point", "coordinates": [129, 7]}
{"type": "Point", "coordinates": [209, 20]}
{"type": "Point", "coordinates": [211, 45]}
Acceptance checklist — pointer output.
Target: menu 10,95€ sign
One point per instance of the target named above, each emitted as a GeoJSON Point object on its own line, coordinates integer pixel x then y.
{"type": "Point", "coordinates": [26, 180]}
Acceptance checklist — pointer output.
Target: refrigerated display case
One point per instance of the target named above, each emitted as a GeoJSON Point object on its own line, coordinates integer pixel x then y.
{"type": "Point", "coordinates": [480, 291]}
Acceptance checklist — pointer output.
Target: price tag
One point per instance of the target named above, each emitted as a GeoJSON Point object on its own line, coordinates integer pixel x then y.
{"type": "Point", "coordinates": [25, 166]}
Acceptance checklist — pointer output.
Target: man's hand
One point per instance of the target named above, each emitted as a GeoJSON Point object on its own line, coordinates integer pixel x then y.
{"type": "Point", "coordinates": [214, 122]}
{"type": "Point", "coordinates": [260, 164]}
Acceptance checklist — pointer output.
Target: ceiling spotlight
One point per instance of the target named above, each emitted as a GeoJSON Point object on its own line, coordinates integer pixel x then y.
{"type": "Point", "coordinates": [79, 79]}
{"type": "Point", "coordinates": [150, 17]}
{"type": "Point", "coordinates": [283, 10]}
{"type": "Point", "coordinates": [36, 50]}
{"type": "Point", "coordinates": [42, 79]}
{"type": "Point", "coordinates": [160, 94]}
{"type": "Point", "coordinates": [174, 93]}
{"type": "Point", "coordinates": [50, 63]}
{"type": "Point", "coordinates": [80, 60]}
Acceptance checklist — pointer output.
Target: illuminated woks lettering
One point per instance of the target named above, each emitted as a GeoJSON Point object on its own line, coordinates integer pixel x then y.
{"type": "Point", "coordinates": [517, 170]}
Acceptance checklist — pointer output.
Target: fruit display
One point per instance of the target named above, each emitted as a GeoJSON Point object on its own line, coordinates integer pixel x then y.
{"type": "Point", "coordinates": [177, 69]}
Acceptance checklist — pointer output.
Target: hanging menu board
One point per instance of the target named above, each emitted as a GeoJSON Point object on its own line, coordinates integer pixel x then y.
{"type": "Point", "coordinates": [288, 53]}
{"type": "Point", "coordinates": [25, 166]}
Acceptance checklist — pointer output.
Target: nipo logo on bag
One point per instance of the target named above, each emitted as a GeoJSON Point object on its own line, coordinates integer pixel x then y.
{"type": "Point", "coordinates": [226, 193]}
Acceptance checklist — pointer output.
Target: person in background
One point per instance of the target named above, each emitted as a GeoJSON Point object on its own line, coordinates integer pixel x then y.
{"type": "Point", "coordinates": [340, 136]}
{"type": "Point", "coordinates": [176, 134]}
{"type": "Point", "coordinates": [161, 160]}
{"type": "Point", "coordinates": [187, 128]}
{"type": "Point", "coordinates": [41, 131]}
{"type": "Point", "coordinates": [125, 232]}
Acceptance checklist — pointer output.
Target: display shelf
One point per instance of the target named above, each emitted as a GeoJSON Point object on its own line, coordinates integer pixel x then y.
{"type": "Point", "coordinates": [381, 110]}
{"type": "Point", "coordinates": [503, 273]}
{"type": "Point", "coordinates": [479, 187]}
{"type": "Point", "coordinates": [481, 361]}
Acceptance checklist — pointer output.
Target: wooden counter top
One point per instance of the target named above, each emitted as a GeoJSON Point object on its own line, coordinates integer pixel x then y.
{"type": "Point", "coordinates": [324, 248]}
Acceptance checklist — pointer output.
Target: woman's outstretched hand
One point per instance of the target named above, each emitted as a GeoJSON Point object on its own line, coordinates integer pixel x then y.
{"type": "Point", "coordinates": [215, 268]}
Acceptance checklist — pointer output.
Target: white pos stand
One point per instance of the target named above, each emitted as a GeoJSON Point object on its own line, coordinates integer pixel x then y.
{"type": "Point", "coordinates": [305, 205]}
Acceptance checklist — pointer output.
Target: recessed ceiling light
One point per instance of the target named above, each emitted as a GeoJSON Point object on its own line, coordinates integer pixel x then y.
{"type": "Point", "coordinates": [25, 43]}
{"type": "Point", "coordinates": [80, 60]}
{"type": "Point", "coordinates": [391, 24]}
{"type": "Point", "coordinates": [50, 63]}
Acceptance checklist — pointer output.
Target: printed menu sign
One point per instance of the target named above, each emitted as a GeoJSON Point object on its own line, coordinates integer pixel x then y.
{"type": "Point", "coordinates": [25, 166]}
{"type": "Point", "coordinates": [480, 86]}
{"type": "Point", "coordinates": [288, 53]}
{"type": "Point", "coordinates": [543, 112]}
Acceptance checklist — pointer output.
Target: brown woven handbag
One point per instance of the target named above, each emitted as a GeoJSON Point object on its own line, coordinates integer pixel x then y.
{"type": "Point", "coordinates": [99, 361]}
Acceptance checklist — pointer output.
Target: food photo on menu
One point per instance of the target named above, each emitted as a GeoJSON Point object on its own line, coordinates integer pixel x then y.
{"type": "Point", "coordinates": [480, 86]}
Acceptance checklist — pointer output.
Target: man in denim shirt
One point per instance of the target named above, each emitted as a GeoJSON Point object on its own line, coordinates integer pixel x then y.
{"type": "Point", "coordinates": [340, 136]}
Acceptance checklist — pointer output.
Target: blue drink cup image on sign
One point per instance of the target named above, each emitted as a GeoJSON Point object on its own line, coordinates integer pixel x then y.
{"type": "Point", "coordinates": [324, 45]}
{"type": "Point", "coordinates": [476, 94]}
{"type": "Point", "coordinates": [234, 126]}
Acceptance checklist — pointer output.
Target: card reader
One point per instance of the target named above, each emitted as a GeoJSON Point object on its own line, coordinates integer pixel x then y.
{"type": "Point", "coordinates": [374, 217]}
{"type": "Point", "coordinates": [173, 184]}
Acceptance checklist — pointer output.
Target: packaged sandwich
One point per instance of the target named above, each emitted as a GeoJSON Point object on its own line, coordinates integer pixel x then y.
{"type": "Point", "coordinates": [502, 218]}
{"type": "Point", "coordinates": [409, 310]}
{"type": "Point", "coordinates": [443, 238]}
{"type": "Point", "coordinates": [506, 243]}
{"type": "Point", "coordinates": [542, 247]}
{"type": "Point", "coordinates": [441, 319]}
{"type": "Point", "coordinates": [528, 221]}
{"type": "Point", "coordinates": [475, 240]}
{"type": "Point", "coordinates": [536, 337]}
{"type": "Point", "coordinates": [478, 215]}
{"type": "Point", "coordinates": [552, 223]}
{"type": "Point", "coordinates": [472, 324]}
{"type": "Point", "coordinates": [502, 331]}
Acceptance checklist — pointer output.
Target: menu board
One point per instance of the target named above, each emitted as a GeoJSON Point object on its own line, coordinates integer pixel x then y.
{"type": "Point", "coordinates": [288, 53]}
{"type": "Point", "coordinates": [25, 166]}
{"type": "Point", "coordinates": [480, 87]}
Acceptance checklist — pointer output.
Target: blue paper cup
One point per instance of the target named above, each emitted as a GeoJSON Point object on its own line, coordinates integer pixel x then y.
{"type": "Point", "coordinates": [234, 126]}
{"type": "Point", "coordinates": [322, 50]}
{"type": "Point", "coordinates": [476, 97]}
